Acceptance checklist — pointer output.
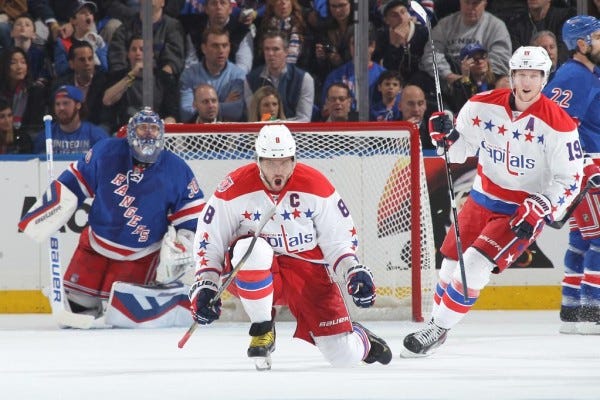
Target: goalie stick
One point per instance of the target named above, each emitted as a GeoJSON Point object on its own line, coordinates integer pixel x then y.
{"type": "Point", "coordinates": [232, 275]}
{"type": "Point", "coordinates": [578, 199]}
{"type": "Point", "coordinates": [60, 311]}
{"type": "Point", "coordinates": [417, 8]}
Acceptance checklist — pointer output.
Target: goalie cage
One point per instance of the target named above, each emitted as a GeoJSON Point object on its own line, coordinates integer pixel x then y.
{"type": "Point", "coordinates": [378, 170]}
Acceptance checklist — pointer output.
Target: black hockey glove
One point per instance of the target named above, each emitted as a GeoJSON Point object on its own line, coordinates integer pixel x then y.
{"type": "Point", "coordinates": [201, 293]}
{"type": "Point", "coordinates": [359, 281]}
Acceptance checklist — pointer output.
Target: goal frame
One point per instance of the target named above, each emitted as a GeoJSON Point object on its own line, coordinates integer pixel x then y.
{"type": "Point", "coordinates": [416, 166]}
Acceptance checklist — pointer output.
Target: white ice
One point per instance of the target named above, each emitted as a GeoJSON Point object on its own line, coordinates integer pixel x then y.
{"type": "Point", "coordinates": [490, 355]}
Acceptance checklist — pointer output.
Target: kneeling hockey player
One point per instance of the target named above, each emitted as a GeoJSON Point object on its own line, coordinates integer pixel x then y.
{"type": "Point", "coordinates": [309, 240]}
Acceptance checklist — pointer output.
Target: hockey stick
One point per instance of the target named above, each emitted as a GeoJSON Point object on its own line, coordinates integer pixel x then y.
{"type": "Point", "coordinates": [231, 276]}
{"type": "Point", "coordinates": [416, 7]}
{"type": "Point", "coordinates": [578, 199]}
{"type": "Point", "coordinates": [63, 316]}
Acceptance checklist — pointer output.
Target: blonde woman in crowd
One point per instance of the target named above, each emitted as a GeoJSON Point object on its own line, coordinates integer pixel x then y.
{"type": "Point", "coordinates": [266, 105]}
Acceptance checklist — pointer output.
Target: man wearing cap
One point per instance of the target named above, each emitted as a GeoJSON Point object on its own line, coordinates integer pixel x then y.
{"type": "Point", "coordinates": [476, 76]}
{"type": "Point", "coordinates": [400, 42]}
{"type": "Point", "coordinates": [84, 29]}
{"type": "Point", "coordinates": [69, 133]}
{"type": "Point", "coordinates": [471, 24]}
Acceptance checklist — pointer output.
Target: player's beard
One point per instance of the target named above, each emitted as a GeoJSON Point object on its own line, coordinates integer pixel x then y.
{"type": "Point", "coordinates": [593, 56]}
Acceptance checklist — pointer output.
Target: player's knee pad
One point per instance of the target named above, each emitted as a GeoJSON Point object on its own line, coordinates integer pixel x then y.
{"type": "Point", "coordinates": [260, 258]}
{"type": "Point", "coordinates": [574, 260]}
{"type": "Point", "coordinates": [447, 269]}
{"type": "Point", "coordinates": [477, 269]}
{"type": "Point", "coordinates": [338, 350]}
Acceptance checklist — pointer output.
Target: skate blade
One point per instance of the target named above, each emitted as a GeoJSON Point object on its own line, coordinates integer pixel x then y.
{"type": "Point", "coordinates": [588, 328]}
{"type": "Point", "coordinates": [405, 353]}
{"type": "Point", "coordinates": [262, 363]}
{"type": "Point", "coordinates": [568, 328]}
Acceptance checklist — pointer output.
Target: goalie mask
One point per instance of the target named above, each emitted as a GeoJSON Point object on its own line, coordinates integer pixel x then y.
{"type": "Point", "coordinates": [146, 135]}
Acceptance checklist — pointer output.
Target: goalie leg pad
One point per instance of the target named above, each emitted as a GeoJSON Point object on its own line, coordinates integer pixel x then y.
{"type": "Point", "coordinates": [140, 306]}
{"type": "Point", "coordinates": [50, 212]}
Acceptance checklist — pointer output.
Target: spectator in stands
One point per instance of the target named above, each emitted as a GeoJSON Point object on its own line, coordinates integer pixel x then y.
{"type": "Point", "coordinates": [215, 68]}
{"type": "Point", "coordinates": [23, 35]}
{"type": "Point", "coordinates": [266, 105]}
{"type": "Point", "coordinates": [286, 15]}
{"type": "Point", "coordinates": [12, 141]}
{"type": "Point", "coordinates": [540, 15]}
{"type": "Point", "coordinates": [472, 24]}
{"type": "Point", "coordinates": [206, 104]}
{"type": "Point", "coordinates": [85, 75]}
{"type": "Point", "coordinates": [217, 15]}
{"type": "Point", "coordinates": [295, 86]}
{"type": "Point", "coordinates": [413, 107]}
{"type": "Point", "coordinates": [400, 43]}
{"type": "Point", "coordinates": [26, 97]}
{"type": "Point", "coordinates": [332, 38]}
{"type": "Point", "coordinates": [167, 38]}
{"type": "Point", "coordinates": [476, 76]}
{"type": "Point", "coordinates": [84, 29]}
{"type": "Point", "coordinates": [389, 86]}
{"type": "Point", "coordinates": [547, 40]}
{"type": "Point", "coordinates": [346, 73]}
{"type": "Point", "coordinates": [70, 134]}
{"type": "Point", "coordinates": [9, 11]}
{"type": "Point", "coordinates": [338, 103]}
{"type": "Point", "coordinates": [125, 93]}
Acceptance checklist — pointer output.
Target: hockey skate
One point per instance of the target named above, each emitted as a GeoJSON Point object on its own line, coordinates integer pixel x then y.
{"type": "Point", "coordinates": [423, 342]}
{"type": "Point", "coordinates": [380, 351]}
{"type": "Point", "coordinates": [589, 321]}
{"type": "Point", "coordinates": [569, 319]}
{"type": "Point", "coordinates": [262, 344]}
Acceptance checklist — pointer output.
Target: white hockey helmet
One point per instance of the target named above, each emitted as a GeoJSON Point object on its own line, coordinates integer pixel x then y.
{"type": "Point", "coordinates": [146, 149]}
{"type": "Point", "coordinates": [275, 141]}
{"type": "Point", "coordinates": [531, 57]}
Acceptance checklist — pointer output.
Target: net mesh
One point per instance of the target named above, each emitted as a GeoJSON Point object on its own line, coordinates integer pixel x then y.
{"type": "Point", "coordinates": [371, 169]}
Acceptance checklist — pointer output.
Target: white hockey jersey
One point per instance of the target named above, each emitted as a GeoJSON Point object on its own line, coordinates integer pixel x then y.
{"type": "Point", "coordinates": [536, 151]}
{"type": "Point", "coordinates": [311, 221]}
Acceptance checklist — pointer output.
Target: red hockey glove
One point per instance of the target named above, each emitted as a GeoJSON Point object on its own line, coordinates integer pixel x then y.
{"type": "Point", "coordinates": [201, 293]}
{"type": "Point", "coordinates": [441, 128]}
{"type": "Point", "coordinates": [359, 280]}
{"type": "Point", "coordinates": [530, 215]}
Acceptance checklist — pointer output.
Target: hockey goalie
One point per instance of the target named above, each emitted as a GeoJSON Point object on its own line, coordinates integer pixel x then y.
{"type": "Point", "coordinates": [129, 263]}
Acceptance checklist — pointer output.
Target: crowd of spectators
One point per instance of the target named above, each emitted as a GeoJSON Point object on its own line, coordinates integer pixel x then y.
{"type": "Point", "coordinates": [236, 61]}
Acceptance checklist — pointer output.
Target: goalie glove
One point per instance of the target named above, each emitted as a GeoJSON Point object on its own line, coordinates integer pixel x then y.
{"type": "Point", "coordinates": [530, 214]}
{"type": "Point", "coordinates": [175, 255]}
{"type": "Point", "coordinates": [201, 293]}
{"type": "Point", "coordinates": [359, 281]}
{"type": "Point", "coordinates": [441, 129]}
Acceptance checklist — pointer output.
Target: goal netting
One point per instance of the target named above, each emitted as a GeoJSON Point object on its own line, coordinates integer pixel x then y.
{"type": "Point", "coordinates": [378, 170]}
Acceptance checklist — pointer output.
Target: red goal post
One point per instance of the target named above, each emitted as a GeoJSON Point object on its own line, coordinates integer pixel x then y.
{"type": "Point", "coordinates": [378, 170]}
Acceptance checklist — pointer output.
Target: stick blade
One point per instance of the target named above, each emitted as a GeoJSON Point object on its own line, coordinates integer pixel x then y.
{"type": "Point", "coordinates": [67, 319]}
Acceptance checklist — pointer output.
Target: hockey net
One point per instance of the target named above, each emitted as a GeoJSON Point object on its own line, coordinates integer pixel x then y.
{"type": "Point", "coordinates": [378, 170]}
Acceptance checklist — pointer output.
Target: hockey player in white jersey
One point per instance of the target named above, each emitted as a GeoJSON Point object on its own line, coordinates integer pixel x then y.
{"type": "Point", "coordinates": [310, 240]}
{"type": "Point", "coordinates": [529, 171]}
{"type": "Point", "coordinates": [145, 204]}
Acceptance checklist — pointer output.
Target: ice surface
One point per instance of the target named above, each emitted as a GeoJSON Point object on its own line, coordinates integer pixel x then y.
{"type": "Point", "coordinates": [490, 355]}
